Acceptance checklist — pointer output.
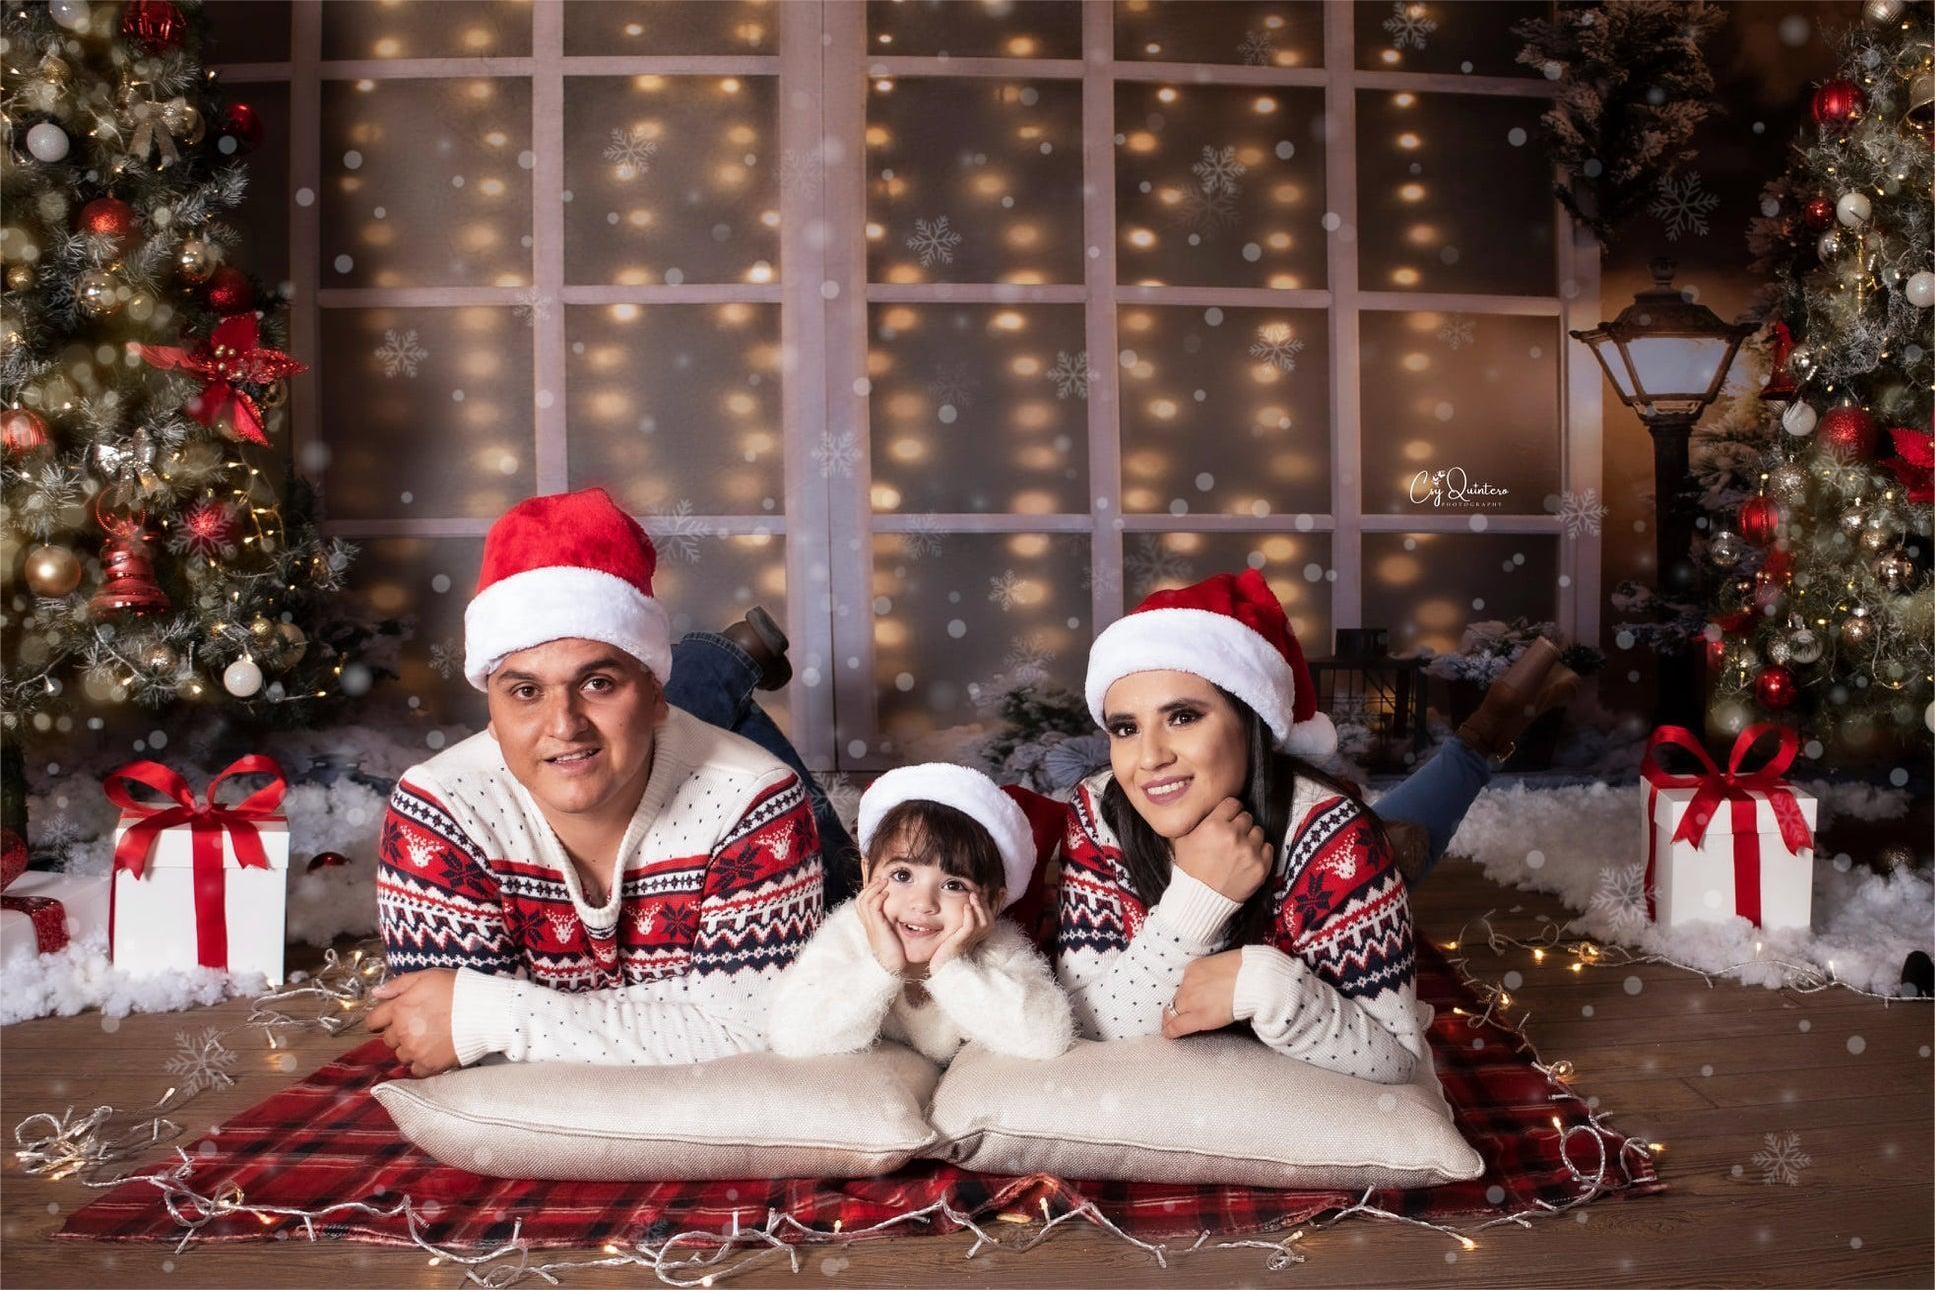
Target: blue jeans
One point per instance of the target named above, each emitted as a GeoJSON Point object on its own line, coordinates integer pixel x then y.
{"type": "Point", "coordinates": [1437, 795]}
{"type": "Point", "coordinates": [713, 679]}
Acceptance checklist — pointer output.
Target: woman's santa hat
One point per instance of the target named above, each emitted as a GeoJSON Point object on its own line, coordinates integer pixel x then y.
{"type": "Point", "coordinates": [566, 565]}
{"type": "Point", "coordinates": [1230, 631]}
{"type": "Point", "coordinates": [969, 792]}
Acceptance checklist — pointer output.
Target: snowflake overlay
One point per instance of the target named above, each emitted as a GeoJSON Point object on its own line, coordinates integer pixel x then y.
{"type": "Point", "coordinates": [837, 454]}
{"type": "Point", "coordinates": [1581, 513]}
{"type": "Point", "coordinates": [1683, 205]}
{"type": "Point", "coordinates": [631, 151]}
{"type": "Point", "coordinates": [1257, 49]}
{"type": "Point", "coordinates": [1027, 660]}
{"type": "Point", "coordinates": [1070, 374]}
{"type": "Point", "coordinates": [933, 242]}
{"type": "Point", "coordinates": [1620, 898]}
{"type": "Point", "coordinates": [1005, 589]}
{"type": "Point", "coordinates": [400, 355]}
{"type": "Point", "coordinates": [1781, 1159]}
{"type": "Point", "coordinates": [837, 793]}
{"type": "Point", "coordinates": [201, 1061]}
{"type": "Point", "coordinates": [1409, 25]}
{"type": "Point", "coordinates": [1457, 331]}
{"type": "Point", "coordinates": [1277, 347]}
{"type": "Point", "coordinates": [953, 385]}
{"type": "Point", "coordinates": [447, 659]}
{"type": "Point", "coordinates": [922, 538]}
{"type": "Point", "coordinates": [533, 307]}
{"type": "Point", "coordinates": [1152, 564]}
{"type": "Point", "coordinates": [1204, 214]}
{"type": "Point", "coordinates": [677, 532]}
{"type": "Point", "coordinates": [1219, 170]}
{"type": "Point", "coordinates": [801, 172]}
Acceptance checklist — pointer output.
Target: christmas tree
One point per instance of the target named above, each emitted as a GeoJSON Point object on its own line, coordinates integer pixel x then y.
{"type": "Point", "coordinates": [151, 552]}
{"type": "Point", "coordinates": [1824, 609]}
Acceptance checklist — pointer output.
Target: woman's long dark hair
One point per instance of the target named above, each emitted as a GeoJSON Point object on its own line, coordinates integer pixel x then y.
{"type": "Point", "coordinates": [1268, 791]}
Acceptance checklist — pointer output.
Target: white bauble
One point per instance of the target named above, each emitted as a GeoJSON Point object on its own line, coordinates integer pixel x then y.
{"type": "Point", "coordinates": [1853, 210]}
{"type": "Point", "coordinates": [242, 678]}
{"type": "Point", "coordinates": [47, 142]}
{"type": "Point", "coordinates": [1799, 418]}
{"type": "Point", "coordinates": [1829, 245]}
{"type": "Point", "coordinates": [71, 14]}
{"type": "Point", "coordinates": [1921, 289]}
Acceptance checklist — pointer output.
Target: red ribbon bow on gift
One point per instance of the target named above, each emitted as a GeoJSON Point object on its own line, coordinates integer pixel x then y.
{"type": "Point", "coordinates": [1715, 786]}
{"type": "Point", "coordinates": [228, 360]}
{"type": "Point", "coordinates": [48, 916]}
{"type": "Point", "coordinates": [210, 821]}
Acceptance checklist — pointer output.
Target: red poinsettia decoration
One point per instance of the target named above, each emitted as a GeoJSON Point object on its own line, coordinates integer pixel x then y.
{"type": "Point", "coordinates": [229, 361]}
{"type": "Point", "coordinates": [1914, 463]}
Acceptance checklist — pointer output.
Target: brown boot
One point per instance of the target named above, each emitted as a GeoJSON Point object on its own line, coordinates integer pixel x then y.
{"type": "Point", "coordinates": [765, 644]}
{"type": "Point", "coordinates": [1532, 686]}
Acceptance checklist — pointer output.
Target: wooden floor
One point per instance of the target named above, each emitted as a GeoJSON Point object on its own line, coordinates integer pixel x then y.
{"type": "Point", "coordinates": [1708, 1073]}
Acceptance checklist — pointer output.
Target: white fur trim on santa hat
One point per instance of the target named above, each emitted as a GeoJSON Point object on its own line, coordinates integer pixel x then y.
{"type": "Point", "coordinates": [560, 602]}
{"type": "Point", "coordinates": [1217, 648]}
{"type": "Point", "coordinates": [967, 791]}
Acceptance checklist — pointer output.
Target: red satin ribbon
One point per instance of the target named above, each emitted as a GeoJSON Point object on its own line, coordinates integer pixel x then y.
{"type": "Point", "coordinates": [48, 915]}
{"type": "Point", "coordinates": [209, 822]}
{"type": "Point", "coordinates": [1738, 789]}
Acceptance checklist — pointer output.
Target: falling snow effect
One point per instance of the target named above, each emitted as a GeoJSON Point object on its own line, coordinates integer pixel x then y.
{"type": "Point", "coordinates": [400, 354]}
{"type": "Point", "coordinates": [1005, 589]}
{"type": "Point", "coordinates": [1219, 170]}
{"type": "Point", "coordinates": [934, 242]}
{"type": "Point", "coordinates": [1027, 660]}
{"type": "Point", "coordinates": [1780, 1159]}
{"type": "Point", "coordinates": [201, 1061]}
{"type": "Point", "coordinates": [631, 151]}
{"type": "Point", "coordinates": [1581, 513]}
{"type": "Point", "coordinates": [922, 539]}
{"type": "Point", "coordinates": [1457, 331]}
{"type": "Point", "coordinates": [1682, 205]}
{"type": "Point", "coordinates": [1620, 898]}
{"type": "Point", "coordinates": [677, 532]}
{"type": "Point", "coordinates": [837, 454]}
{"type": "Point", "coordinates": [533, 307]}
{"type": "Point", "coordinates": [801, 172]}
{"type": "Point", "coordinates": [447, 659]}
{"type": "Point", "coordinates": [1070, 375]}
{"type": "Point", "coordinates": [1204, 214]}
{"type": "Point", "coordinates": [836, 792]}
{"type": "Point", "coordinates": [1256, 49]}
{"type": "Point", "coordinates": [1409, 26]}
{"type": "Point", "coordinates": [1276, 346]}
{"type": "Point", "coordinates": [1152, 565]}
{"type": "Point", "coordinates": [953, 385]}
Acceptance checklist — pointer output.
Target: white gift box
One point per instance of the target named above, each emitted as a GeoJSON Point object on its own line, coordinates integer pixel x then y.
{"type": "Point", "coordinates": [154, 916]}
{"type": "Point", "coordinates": [1697, 884]}
{"type": "Point", "coordinates": [84, 905]}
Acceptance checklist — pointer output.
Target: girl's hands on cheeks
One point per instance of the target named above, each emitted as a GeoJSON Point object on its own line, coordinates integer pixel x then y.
{"type": "Point", "coordinates": [882, 939]}
{"type": "Point", "coordinates": [965, 935]}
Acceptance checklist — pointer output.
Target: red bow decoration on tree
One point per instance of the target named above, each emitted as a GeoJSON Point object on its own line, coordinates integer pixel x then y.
{"type": "Point", "coordinates": [228, 361]}
{"type": "Point", "coordinates": [1715, 786]}
{"type": "Point", "coordinates": [1914, 463]}
{"type": "Point", "coordinates": [209, 820]}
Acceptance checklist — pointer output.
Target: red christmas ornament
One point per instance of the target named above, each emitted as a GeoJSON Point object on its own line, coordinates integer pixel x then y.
{"type": "Point", "coordinates": [229, 291]}
{"type": "Point", "coordinates": [1838, 104]}
{"type": "Point", "coordinates": [1819, 214]}
{"type": "Point", "coordinates": [326, 860]}
{"type": "Point", "coordinates": [156, 24]}
{"type": "Point", "coordinates": [1849, 433]}
{"type": "Point", "coordinates": [1716, 651]}
{"type": "Point", "coordinates": [208, 529]}
{"type": "Point", "coordinates": [111, 217]}
{"type": "Point", "coordinates": [21, 431]}
{"type": "Point", "coordinates": [1780, 381]}
{"type": "Point", "coordinates": [242, 123]}
{"type": "Point", "coordinates": [1774, 687]}
{"type": "Point", "coordinates": [127, 571]}
{"type": "Point", "coordinates": [1914, 463]}
{"type": "Point", "coordinates": [1759, 519]}
{"type": "Point", "coordinates": [229, 361]}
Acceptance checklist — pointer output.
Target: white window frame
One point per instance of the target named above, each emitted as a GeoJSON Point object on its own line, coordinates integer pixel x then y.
{"type": "Point", "coordinates": [823, 71]}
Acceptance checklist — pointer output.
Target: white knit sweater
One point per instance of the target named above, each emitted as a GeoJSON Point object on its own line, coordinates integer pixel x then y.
{"type": "Point", "coordinates": [836, 998]}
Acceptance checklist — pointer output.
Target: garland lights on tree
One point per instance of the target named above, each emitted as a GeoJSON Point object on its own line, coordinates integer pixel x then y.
{"type": "Point", "coordinates": [1823, 604]}
{"type": "Point", "coordinates": [150, 555]}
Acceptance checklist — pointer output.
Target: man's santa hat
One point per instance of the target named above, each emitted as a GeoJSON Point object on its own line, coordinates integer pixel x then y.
{"type": "Point", "coordinates": [969, 792]}
{"type": "Point", "coordinates": [566, 565]}
{"type": "Point", "coordinates": [1230, 631]}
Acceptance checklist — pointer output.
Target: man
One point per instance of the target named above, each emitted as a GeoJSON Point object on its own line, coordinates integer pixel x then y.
{"type": "Point", "coordinates": [597, 876]}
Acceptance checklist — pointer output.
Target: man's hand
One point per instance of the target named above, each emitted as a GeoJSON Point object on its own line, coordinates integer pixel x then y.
{"type": "Point", "coordinates": [962, 938]}
{"type": "Point", "coordinates": [1227, 851]}
{"type": "Point", "coordinates": [1206, 999]}
{"type": "Point", "coordinates": [881, 936]}
{"type": "Point", "coordinates": [414, 1019]}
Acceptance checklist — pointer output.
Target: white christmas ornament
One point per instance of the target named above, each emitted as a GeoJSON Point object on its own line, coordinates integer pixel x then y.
{"type": "Point", "coordinates": [242, 678]}
{"type": "Point", "coordinates": [47, 142]}
{"type": "Point", "coordinates": [1829, 245]}
{"type": "Point", "coordinates": [1853, 209]}
{"type": "Point", "coordinates": [71, 14]}
{"type": "Point", "coordinates": [1921, 289]}
{"type": "Point", "coordinates": [1799, 419]}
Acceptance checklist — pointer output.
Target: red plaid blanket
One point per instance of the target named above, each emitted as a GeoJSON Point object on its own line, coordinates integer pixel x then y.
{"type": "Point", "coordinates": [326, 1140]}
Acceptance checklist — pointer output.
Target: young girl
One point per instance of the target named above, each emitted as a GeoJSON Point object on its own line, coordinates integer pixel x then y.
{"type": "Point", "coordinates": [920, 955]}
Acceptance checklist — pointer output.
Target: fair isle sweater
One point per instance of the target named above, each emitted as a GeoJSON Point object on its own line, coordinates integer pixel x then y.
{"type": "Point", "coordinates": [720, 887]}
{"type": "Point", "coordinates": [836, 998]}
{"type": "Point", "coordinates": [1334, 982]}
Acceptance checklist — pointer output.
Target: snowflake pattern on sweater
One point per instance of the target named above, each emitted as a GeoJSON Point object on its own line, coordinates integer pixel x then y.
{"type": "Point", "coordinates": [1332, 983]}
{"type": "Point", "coordinates": [720, 888]}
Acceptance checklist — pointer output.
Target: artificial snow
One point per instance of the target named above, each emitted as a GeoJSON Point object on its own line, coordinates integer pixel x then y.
{"type": "Point", "coordinates": [1584, 844]}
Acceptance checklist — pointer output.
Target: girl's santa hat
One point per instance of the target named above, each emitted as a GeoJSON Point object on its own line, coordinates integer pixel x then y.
{"type": "Point", "coordinates": [566, 565]}
{"type": "Point", "coordinates": [1230, 631]}
{"type": "Point", "coordinates": [969, 792]}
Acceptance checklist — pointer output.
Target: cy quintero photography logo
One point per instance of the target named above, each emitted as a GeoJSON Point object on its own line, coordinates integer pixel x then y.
{"type": "Point", "coordinates": [1453, 487]}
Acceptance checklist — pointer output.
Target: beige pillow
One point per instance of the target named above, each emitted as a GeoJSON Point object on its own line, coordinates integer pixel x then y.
{"type": "Point", "coordinates": [1207, 1109]}
{"type": "Point", "coordinates": [752, 1116]}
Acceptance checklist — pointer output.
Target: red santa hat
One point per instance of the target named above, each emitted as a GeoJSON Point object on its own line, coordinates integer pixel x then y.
{"type": "Point", "coordinates": [1230, 631]}
{"type": "Point", "coordinates": [566, 565]}
{"type": "Point", "coordinates": [969, 792]}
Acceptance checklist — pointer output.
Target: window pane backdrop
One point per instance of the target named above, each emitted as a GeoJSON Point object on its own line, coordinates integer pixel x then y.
{"type": "Point", "coordinates": [945, 330]}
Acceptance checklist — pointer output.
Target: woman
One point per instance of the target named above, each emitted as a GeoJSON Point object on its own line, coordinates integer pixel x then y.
{"type": "Point", "coordinates": [1211, 875]}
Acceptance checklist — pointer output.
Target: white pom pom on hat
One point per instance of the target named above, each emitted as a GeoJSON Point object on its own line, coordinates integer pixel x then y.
{"type": "Point", "coordinates": [967, 791]}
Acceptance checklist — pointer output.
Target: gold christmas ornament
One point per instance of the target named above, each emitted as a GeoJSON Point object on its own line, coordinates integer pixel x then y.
{"type": "Point", "coordinates": [1894, 570]}
{"type": "Point", "coordinates": [97, 293]}
{"type": "Point", "coordinates": [52, 571]}
{"type": "Point", "coordinates": [1875, 539]}
{"type": "Point", "coordinates": [161, 657]}
{"type": "Point", "coordinates": [261, 629]}
{"type": "Point", "coordinates": [274, 395]}
{"type": "Point", "coordinates": [195, 260]}
{"type": "Point", "coordinates": [1919, 119]}
{"type": "Point", "coordinates": [184, 120]}
{"type": "Point", "coordinates": [294, 643]}
{"type": "Point", "coordinates": [20, 277]}
{"type": "Point", "coordinates": [54, 70]}
{"type": "Point", "coordinates": [1787, 483]}
{"type": "Point", "coordinates": [1857, 629]}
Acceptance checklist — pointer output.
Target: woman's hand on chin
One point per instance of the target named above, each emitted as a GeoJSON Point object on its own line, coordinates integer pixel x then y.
{"type": "Point", "coordinates": [1227, 851]}
{"type": "Point", "coordinates": [1206, 999]}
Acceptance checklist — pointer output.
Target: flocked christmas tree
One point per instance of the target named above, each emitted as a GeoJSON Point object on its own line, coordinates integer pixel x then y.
{"type": "Point", "coordinates": [152, 553]}
{"type": "Point", "coordinates": [1824, 609]}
